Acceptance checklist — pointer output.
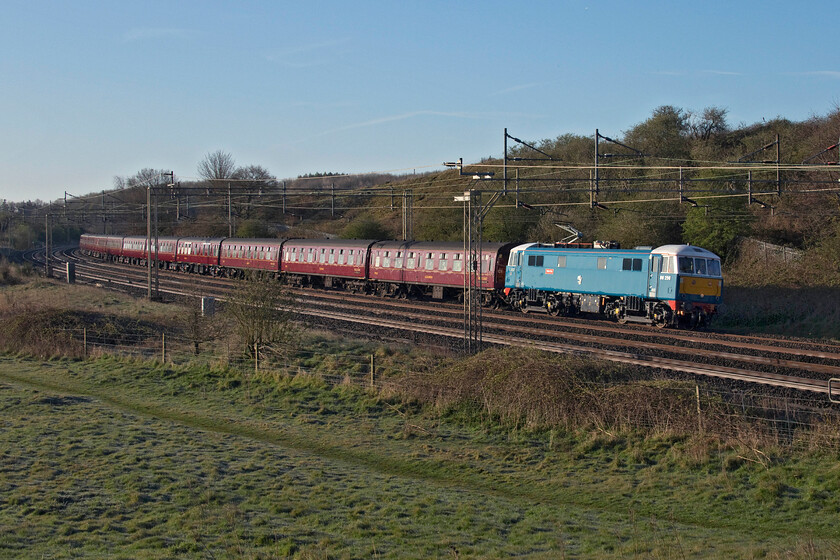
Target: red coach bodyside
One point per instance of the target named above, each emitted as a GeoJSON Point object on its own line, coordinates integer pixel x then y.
{"type": "Point", "coordinates": [112, 245]}
{"type": "Point", "coordinates": [434, 268]}
{"type": "Point", "coordinates": [436, 263]}
{"type": "Point", "coordinates": [251, 254]}
{"type": "Point", "coordinates": [201, 253]}
{"type": "Point", "coordinates": [134, 248]}
{"type": "Point", "coordinates": [326, 260]}
{"type": "Point", "coordinates": [165, 249]}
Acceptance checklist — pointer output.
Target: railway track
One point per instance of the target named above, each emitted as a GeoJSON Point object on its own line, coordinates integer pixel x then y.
{"type": "Point", "coordinates": [777, 362]}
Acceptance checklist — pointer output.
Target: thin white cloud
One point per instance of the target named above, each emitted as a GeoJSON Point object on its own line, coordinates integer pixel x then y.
{"type": "Point", "coordinates": [683, 73]}
{"type": "Point", "coordinates": [822, 73]}
{"type": "Point", "coordinates": [516, 88]}
{"type": "Point", "coordinates": [296, 57]}
{"type": "Point", "coordinates": [144, 34]}
{"type": "Point", "coordinates": [411, 115]}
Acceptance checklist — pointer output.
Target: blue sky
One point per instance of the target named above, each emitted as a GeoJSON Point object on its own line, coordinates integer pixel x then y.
{"type": "Point", "coordinates": [94, 89]}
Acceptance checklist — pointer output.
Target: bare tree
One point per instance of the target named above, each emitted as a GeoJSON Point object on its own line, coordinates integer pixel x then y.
{"type": "Point", "coordinates": [255, 179]}
{"type": "Point", "coordinates": [710, 122]}
{"type": "Point", "coordinates": [217, 165]}
{"type": "Point", "coordinates": [147, 176]}
{"type": "Point", "coordinates": [262, 311]}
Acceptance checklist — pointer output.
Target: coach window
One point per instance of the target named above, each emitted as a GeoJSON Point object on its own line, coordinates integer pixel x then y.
{"type": "Point", "coordinates": [430, 261]}
{"type": "Point", "coordinates": [442, 262]}
{"type": "Point", "coordinates": [398, 261]}
{"type": "Point", "coordinates": [410, 261]}
{"type": "Point", "coordinates": [457, 263]}
{"type": "Point", "coordinates": [602, 263]}
{"type": "Point", "coordinates": [351, 258]}
{"type": "Point", "coordinates": [323, 257]}
{"type": "Point", "coordinates": [386, 259]}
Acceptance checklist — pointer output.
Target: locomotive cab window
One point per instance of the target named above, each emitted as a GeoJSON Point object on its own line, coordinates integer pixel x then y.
{"type": "Point", "coordinates": [686, 265]}
{"type": "Point", "coordinates": [714, 267]}
{"type": "Point", "coordinates": [631, 264]}
{"type": "Point", "coordinates": [700, 266]}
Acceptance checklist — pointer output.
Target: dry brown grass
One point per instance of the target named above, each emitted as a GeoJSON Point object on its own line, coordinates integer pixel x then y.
{"type": "Point", "coordinates": [534, 390]}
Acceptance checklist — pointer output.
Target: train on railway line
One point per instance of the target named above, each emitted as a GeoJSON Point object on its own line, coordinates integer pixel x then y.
{"type": "Point", "coordinates": [668, 286]}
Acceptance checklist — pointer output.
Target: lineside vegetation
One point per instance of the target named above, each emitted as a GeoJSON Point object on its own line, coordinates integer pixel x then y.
{"type": "Point", "coordinates": [511, 452]}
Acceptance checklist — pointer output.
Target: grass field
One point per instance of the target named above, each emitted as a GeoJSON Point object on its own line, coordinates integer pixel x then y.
{"type": "Point", "coordinates": [120, 459]}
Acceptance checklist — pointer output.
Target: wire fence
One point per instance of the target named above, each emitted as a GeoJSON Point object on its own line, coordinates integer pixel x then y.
{"type": "Point", "coordinates": [755, 417]}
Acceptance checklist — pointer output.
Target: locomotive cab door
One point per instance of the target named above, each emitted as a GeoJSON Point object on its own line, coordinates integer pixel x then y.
{"type": "Point", "coordinates": [514, 269]}
{"type": "Point", "coordinates": [653, 275]}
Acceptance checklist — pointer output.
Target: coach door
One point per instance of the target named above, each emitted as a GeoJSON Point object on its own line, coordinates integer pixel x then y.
{"type": "Point", "coordinates": [653, 275]}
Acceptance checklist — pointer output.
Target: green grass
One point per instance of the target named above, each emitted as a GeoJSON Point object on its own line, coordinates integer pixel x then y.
{"type": "Point", "coordinates": [120, 459]}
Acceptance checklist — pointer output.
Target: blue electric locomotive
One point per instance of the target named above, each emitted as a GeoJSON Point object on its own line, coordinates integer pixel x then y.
{"type": "Point", "coordinates": [672, 285]}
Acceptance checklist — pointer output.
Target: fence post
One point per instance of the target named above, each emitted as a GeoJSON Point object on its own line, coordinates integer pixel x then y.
{"type": "Point", "coordinates": [372, 369]}
{"type": "Point", "coordinates": [163, 348]}
{"type": "Point", "coordinates": [84, 342]}
{"type": "Point", "coordinates": [699, 412]}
